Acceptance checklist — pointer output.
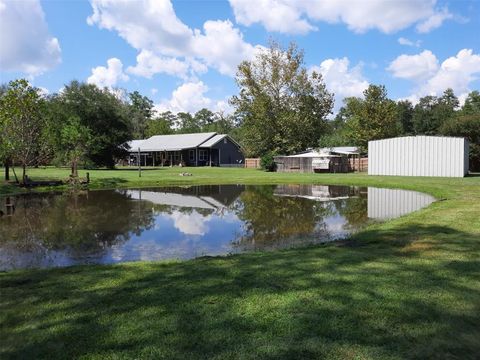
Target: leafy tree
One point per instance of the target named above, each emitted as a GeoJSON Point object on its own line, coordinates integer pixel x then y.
{"type": "Point", "coordinates": [159, 126]}
{"type": "Point", "coordinates": [431, 112]}
{"type": "Point", "coordinates": [186, 123]}
{"type": "Point", "coordinates": [405, 117]}
{"type": "Point", "coordinates": [472, 104]}
{"type": "Point", "coordinates": [23, 125]}
{"type": "Point", "coordinates": [282, 107]}
{"type": "Point", "coordinates": [204, 118]}
{"type": "Point", "coordinates": [467, 126]}
{"type": "Point", "coordinates": [102, 113]}
{"type": "Point", "coordinates": [75, 140]}
{"type": "Point", "coordinates": [371, 118]}
{"type": "Point", "coordinates": [141, 111]}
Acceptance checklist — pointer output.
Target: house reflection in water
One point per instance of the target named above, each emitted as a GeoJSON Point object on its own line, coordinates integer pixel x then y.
{"type": "Point", "coordinates": [213, 197]}
{"type": "Point", "coordinates": [317, 192]}
{"type": "Point", "coordinates": [391, 203]}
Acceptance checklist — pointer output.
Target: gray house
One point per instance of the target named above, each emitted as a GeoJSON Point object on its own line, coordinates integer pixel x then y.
{"type": "Point", "coordinates": [199, 149]}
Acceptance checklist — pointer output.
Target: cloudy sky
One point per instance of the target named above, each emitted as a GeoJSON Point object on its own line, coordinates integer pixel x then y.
{"type": "Point", "coordinates": [183, 54]}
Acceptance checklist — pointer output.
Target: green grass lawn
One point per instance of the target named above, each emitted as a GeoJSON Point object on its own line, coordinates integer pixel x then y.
{"type": "Point", "coordinates": [407, 288]}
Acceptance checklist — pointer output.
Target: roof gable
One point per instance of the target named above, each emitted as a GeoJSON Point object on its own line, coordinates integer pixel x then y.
{"type": "Point", "coordinates": [175, 142]}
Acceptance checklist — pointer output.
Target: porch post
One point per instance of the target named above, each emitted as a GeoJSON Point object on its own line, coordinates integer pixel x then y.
{"type": "Point", "coordinates": [196, 157]}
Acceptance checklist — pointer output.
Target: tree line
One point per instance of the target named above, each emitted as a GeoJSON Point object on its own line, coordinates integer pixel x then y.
{"type": "Point", "coordinates": [281, 108]}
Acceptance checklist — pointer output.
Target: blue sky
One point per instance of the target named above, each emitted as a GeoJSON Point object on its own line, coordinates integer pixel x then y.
{"type": "Point", "coordinates": [183, 54]}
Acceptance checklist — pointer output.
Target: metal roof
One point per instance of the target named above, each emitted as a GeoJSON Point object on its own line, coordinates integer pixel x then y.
{"type": "Point", "coordinates": [175, 142]}
{"type": "Point", "coordinates": [214, 140]}
{"type": "Point", "coordinates": [328, 152]}
{"type": "Point", "coordinates": [172, 199]}
{"type": "Point", "coordinates": [135, 144]}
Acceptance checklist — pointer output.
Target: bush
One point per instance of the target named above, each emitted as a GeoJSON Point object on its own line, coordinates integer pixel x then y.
{"type": "Point", "coordinates": [267, 162]}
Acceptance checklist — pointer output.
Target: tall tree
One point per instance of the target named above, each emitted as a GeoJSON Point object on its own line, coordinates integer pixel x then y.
{"type": "Point", "coordinates": [23, 125]}
{"type": "Point", "coordinates": [405, 117]}
{"type": "Point", "coordinates": [371, 118]}
{"type": "Point", "coordinates": [141, 111]}
{"type": "Point", "coordinates": [467, 126]}
{"type": "Point", "coordinates": [187, 124]}
{"type": "Point", "coordinates": [204, 118]}
{"type": "Point", "coordinates": [75, 140]}
{"type": "Point", "coordinates": [105, 116]}
{"type": "Point", "coordinates": [4, 148]}
{"type": "Point", "coordinates": [282, 107]}
{"type": "Point", "coordinates": [431, 112]}
{"type": "Point", "coordinates": [161, 125]}
{"type": "Point", "coordinates": [472, 104]}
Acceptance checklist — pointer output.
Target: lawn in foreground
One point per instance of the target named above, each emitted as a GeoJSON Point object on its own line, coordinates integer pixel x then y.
{"type": "Point", "coordinates": [409, 288]}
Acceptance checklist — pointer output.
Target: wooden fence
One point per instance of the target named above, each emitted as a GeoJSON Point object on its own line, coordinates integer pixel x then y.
{"type": "Point", "coordinates": [358, 164]}
{"type": "Point", "coordinates": [252, 163]}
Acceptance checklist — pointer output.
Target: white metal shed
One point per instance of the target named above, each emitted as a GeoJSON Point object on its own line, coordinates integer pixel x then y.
{"type": "Point", "coordinates": [419, 156]}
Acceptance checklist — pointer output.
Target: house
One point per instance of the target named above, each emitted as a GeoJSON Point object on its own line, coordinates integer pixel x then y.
{"type": "Point", "coordinates": [335, 159]}
{"type": "Point", "coordinates": [419, 156]}
{"type": "Point", "coordinates": [198, 149]}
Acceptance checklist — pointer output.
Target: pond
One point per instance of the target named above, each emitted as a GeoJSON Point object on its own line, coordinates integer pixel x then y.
{"type": "Point", "coordinates": [111, 226]}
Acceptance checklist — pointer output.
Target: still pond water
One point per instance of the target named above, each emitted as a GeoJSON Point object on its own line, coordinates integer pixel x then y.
{"type": "Point", "coordinates": [111, 226]}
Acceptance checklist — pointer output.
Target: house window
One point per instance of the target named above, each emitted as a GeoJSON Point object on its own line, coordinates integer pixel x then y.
{"type": "Point", "coordinates": [191, 155]}
{"type": "Point", "coordinates": [203, 155]}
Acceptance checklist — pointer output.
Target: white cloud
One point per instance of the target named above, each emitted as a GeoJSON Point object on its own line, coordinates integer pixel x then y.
{"type": "Point", "coordinates": [166, 44]}
{"type": "Point", "coordinates": [407, 42]}
{"type": "Point", "coordinates": [25, 42]}
{"type": "Point", "coordinates": [457, 72]}
{"type": "Point", "coordinates": [414, 67]}
{"type": "Point", "coordinates": [190, 224]}
{"type": "Point", "coordinates": [191, 97]}
{"type": "Point", "coordinates": [108, 76]}
{"type": "Point", "coordinates": [341, 79]}
{"type": "Point", "coordinates": [281, 16]}
{"type": "Point", "coordinates": [149, 64]}
{"type": "Point", "coordinates": [188, 97]}
{"type": "Point", "coordinates": [434, 21]}
{"type": "Point", "coordinates": [222, 46]}
{"type": "Point", "coordinates": [293, 16]}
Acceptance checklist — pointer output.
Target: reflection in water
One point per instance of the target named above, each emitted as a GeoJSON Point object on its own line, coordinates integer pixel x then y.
{"type": "Point", "coordinates": [45, 230]}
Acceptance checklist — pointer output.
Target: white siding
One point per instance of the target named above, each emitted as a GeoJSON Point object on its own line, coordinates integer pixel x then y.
{"type": "Point", "coordinates": [418, 156]}
{"type": "Point", "coordinates": [392, 203]}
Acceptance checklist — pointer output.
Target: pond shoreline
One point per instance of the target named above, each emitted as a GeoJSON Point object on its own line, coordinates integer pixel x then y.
{"type": "Point", "coordinates": [400, 290]}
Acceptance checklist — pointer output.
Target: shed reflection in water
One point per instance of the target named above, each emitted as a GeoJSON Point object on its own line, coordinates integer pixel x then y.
{"type": "Point", "coordinates": [47, 230]}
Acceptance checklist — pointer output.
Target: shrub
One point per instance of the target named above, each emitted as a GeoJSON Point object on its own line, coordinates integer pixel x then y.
{"type": "Point", "coordinates": [267, 162]}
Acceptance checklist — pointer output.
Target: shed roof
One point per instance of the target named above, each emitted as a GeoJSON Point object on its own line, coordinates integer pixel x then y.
{"type": "Point", "coordinates": [175, 142]}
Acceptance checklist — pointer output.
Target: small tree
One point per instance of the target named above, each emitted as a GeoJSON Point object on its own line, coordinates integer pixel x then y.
{"type": "Point", "coordinates": [23, 124]}
{"type": "Point", "coordinates": [75, 140]}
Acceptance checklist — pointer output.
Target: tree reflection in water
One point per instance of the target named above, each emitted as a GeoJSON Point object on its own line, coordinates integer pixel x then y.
{"type": "Point", "coordinates": [84, 224]}
{"type": "Point", "coordinates": [178, 222]}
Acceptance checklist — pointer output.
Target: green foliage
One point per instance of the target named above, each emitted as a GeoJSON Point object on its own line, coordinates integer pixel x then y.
{"type": "Point", "coordinates": [140, 112]}
{"type": "Point", "coordinates": [405, 117]}
{"type": "Point", "coordinates": [472, 104]}
{"type": "Point", "coordinates": [267, 162]}
{"type": "Point", "coordinates": [371, 118]}
{"type": "Point", "coordinates": [23, 126]}
{"type": "Point", "coordinates": [431, 112]}
{"type": "Point", "coordinates": [281, 106]}
{"type": "Point", "coordinates": [104, 115]}
{"type": "Point", "coordinates": [75, 140]}
{"type": "Point", "coordinates": [467, 126]}
{"type": "Point", "coordinates": [187, 124]}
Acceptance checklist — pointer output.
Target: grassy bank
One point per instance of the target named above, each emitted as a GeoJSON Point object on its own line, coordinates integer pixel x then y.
{"type": "Point", "coordinates": [408, 288]}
